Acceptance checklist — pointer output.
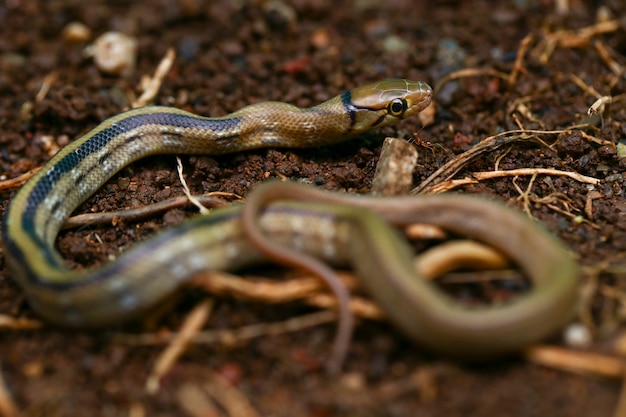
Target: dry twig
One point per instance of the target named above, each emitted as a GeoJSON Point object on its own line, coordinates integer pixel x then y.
{"type": "Point", "coordinates": [576, 361]}
{"type": "Point", "coordinates": [8, 408]}
{"type": "Point", "coordinates": [193, 200]}
{"type": "Point", "coordinates": [153, 84]}
{"type": "Point", "coordinates": [211, 200]}
{"type": "Point", "coordinates": [518, 67]}
{"type": "Point", "coordinates": [233, 337]}
{"type": "Point", "coordinates": [572, 38]}
{"type": "Point", "coordinates": [195, 402]}
{"type": "Point", "coordinates": [449, 169]}
{"type": "Point", "coordinates": [18, 181]}
{"type": "Point", "coordinates": [191, 326]}
{"type": "Point", "coordinates": [535, 171]}
{"type": "Point", "coordinates": [8, 322]}
{"type": "Point", "coordinates": [470, 72]}
{"type": "Point", "coordinates": [46, 84]}
{"type": "Point", "coordinates": [228, 396]}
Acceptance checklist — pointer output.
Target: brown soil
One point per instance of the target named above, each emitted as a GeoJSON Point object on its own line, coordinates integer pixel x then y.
{"type": "Point", "coordinates": [234, 53]}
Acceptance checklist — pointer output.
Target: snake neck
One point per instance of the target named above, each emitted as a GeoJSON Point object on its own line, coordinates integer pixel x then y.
{"type": "Point", "coordinates": [287, 126]}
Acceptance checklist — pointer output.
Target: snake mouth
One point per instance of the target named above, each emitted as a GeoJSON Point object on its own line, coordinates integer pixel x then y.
{"type": "Point", "coordinates": [419, 95]}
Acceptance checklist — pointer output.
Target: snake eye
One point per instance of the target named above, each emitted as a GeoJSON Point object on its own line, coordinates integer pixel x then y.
{"type": "Point", "coordinates": [397, 107]}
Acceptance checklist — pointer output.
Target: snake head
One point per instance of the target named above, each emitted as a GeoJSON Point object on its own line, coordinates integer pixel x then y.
{"type": "Point", "coordinates": [385, 102]}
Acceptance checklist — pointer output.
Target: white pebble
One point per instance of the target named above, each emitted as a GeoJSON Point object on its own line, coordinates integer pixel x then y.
{"type": "Point", "coordinates": [114, 53]}
{"type": "Point", "coordinates": [577, 335]}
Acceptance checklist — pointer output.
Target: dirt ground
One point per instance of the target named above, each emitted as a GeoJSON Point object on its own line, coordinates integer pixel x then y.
{"type": "Point", "coordinates": [232, 53]}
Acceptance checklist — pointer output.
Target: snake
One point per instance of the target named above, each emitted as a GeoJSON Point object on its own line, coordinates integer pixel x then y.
{"type": "Point", "coordinates": [307, 224]}
{"type": "Point", "coordinates": [384, 263]}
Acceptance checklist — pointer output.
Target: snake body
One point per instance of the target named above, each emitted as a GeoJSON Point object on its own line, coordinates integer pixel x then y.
{"type": "Point", "coordinates": [339, 230]}
{"type": "Point", "coordinates": [385, 265]}
{"type": "Point", "coordinates": [34, 216]}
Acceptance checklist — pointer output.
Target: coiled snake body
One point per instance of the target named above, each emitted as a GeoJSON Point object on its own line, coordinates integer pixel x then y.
{"type": "Point", "coordinates": [146, 274]}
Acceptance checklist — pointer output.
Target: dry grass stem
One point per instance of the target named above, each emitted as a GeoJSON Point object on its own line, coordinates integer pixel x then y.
{"type": "Point", "coordinates": [193, 200]}
{"type": "Point", "coordinates": [8, 408]}
{"type": "Point", "coordinates": [577, 361]}
{"type": "Point", "coordinates": [233, 337]}
{"type": "Point", "coordinates": [151, 85]}
{"type": "Point", "coordinates": [210, 200]}
{"type": "Point", "coordinates": [470, 72]}
{"type": "Point", "coordinates": [481, 176]}
{"type": "Point", "coordinates": [194, 321]}
{"type": "Point", "coordinates": [18, 181]}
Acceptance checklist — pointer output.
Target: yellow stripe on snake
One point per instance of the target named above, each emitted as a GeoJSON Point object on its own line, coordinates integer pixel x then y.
{"type": "Point", "coordinates": [336, 228]}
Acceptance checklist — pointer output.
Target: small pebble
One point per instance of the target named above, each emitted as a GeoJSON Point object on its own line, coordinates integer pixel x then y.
{"type": "Point", "coordinates": [577, 335]}
{"type": "Point", "coordinates": [76, 32]}
{"type": "Point", "coordinates": [604, 14]}
{"type": "Point", "coordinates": [613, 178]}
{"type": "Point", "coordinates": [354, 381]}
{"type": "Point", "coordinates": [123, 183]}
{"type": "Point", "coordinates": [279, 15]}
{"type": "Point", "coordinates": [114, 53]}
{"type": "Point", "coordinates": [394, 43]}
{"type": "Point", "coordinates": [607, 151]}
{"type": "Point", "coordinates": [320, 38]}
{"type": "Point", "coordinates": [571, 143]}
{"type": "Point", "coordinates": [621, 150]}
